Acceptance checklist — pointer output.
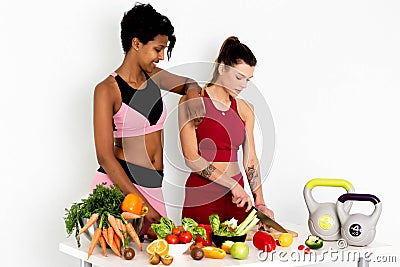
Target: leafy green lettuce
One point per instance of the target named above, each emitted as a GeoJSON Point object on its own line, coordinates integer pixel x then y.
{"type": "Point", "coordinates": [193, 227]}
{"type": "Point", "coordinates": [163, 228]}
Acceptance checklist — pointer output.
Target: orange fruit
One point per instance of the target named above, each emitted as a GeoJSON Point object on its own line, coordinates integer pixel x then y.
{"type": "Point", "coordinates": [159, 246]}
{"type": "Point", "coordinates": [132, 203]}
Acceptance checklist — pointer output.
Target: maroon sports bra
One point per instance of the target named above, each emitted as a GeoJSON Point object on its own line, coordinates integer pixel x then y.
{"type": "Point", "coordinates": [221, 133]}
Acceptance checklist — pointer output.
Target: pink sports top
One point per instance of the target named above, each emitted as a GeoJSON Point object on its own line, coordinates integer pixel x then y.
{"type": "Point", "coordinates": [221, 133]}
{"type": "Point", "coordinates": [142, 111]}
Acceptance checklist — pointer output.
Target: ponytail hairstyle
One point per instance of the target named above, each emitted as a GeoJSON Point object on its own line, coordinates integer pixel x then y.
{"type": "Point", "coordinates": [232, 52]}
{"type": "Point", "coordinates": [145, 23]}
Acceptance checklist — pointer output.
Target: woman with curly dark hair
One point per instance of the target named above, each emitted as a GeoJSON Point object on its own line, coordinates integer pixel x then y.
{"type": "Point", "coordinates": [129, 111]}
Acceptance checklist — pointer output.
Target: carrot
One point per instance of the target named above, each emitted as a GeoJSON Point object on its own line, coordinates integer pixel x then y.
{"type": "Point", "coordinates": [110, 235]}
{"type": "Point", "coordinates": [133, 234]}
{"type": "Point", "coordinates": [129, 215]}
{"type": "Point", "coordinates": [95, 240]}
{"type": "Point", "coordinates": [123, 226]}
{"type": "Point", "coordinates": [113, 223]}
{"type": "Point", "coordinates": [103, 245]}
{"type": "Point", "coordinates": [93, 218]}
{"type": "Point", "coordinates": [119, 223]}
{"type": "Point", "coordinates": [117, 242]}
{"type": "Point", "coordinates": [105, 234]}
{"type": "Point", "coordinates": [113, 246]}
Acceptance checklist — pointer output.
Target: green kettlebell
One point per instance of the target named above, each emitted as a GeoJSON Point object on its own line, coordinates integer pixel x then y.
{"type": "Point", "coordinates": [323, 220]}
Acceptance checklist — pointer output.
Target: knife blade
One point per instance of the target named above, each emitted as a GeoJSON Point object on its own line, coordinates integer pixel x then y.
{"type": "Point", "coordinates": [265, 219]}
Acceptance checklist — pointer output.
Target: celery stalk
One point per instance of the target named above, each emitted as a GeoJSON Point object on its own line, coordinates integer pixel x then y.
{"type": "Point", "coordinates": [249, 226]}
{"type": "Point", "coordinates": [246, 221]}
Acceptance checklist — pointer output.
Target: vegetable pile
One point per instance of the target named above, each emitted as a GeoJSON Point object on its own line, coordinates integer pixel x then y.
{"type": "Point", "coordinates": [103, 206]}
{"type": "Point", "coordinates": [188, 231]}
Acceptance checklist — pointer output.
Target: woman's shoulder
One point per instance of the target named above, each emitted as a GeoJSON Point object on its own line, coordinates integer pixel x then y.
{"type": "Point", "coordinates": [244, 104]}
{"type": "Point", "coordinates": [106, 87]}
{"type": "Point", "coordinates": [245, 108]}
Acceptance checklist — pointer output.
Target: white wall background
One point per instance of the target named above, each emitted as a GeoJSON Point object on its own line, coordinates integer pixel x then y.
{"type": "Point", "coordinates": [329, 71]}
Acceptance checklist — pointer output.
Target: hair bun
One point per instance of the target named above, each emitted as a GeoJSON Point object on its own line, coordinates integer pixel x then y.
{"type": "Point", "coordinates": [232, 40]}
{"type": "Point", "coordinates": [229, 42]}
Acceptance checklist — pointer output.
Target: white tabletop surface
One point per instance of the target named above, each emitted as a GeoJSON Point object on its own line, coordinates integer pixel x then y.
{"type": "Point", "coordinates": [289, 256]}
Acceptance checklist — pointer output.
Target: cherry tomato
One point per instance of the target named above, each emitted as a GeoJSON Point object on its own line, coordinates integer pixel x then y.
{"type": "Point", "coordinates": [185, 237]}
{"type": "Point", "coordinates": [300, 247]}
{"type": "Point", "coordinates": [172, 239]}
{"type": "Point", "coordinates": [307, 251]}
{"type": "Point", "coordinates": [177, 230]}
{"type": "Point", "coordinates": [198, 245]}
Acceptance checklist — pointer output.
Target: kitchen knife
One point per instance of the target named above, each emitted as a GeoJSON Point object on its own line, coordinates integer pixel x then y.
{"type": "Point", "coordinates": [265, 219]}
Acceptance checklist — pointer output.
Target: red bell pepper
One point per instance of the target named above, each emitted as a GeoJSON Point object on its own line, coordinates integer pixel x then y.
{"type": "Point", "coordinates": [264, 241]}
{"type": "Point", "coordinates": [201, 240]}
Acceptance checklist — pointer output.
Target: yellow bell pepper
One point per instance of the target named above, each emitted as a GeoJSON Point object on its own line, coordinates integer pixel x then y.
{"type": "Point", "coordinates": [213, 252]}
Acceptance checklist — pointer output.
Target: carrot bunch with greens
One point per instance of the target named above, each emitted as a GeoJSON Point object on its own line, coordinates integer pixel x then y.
{"type": "Point", "coordinates": [101, 206]}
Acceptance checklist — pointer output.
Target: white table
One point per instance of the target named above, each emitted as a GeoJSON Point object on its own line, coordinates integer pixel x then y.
{"type": "Point", "coordinates": [289, 256]}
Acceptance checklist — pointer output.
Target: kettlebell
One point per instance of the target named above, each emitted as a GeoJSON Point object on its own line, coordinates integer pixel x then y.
{"type": "Point", "coordinates": [358, 229]}
{"type": "Point", "coordinates": [323, 220]}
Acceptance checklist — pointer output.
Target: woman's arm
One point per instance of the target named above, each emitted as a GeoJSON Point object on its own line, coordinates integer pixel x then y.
{"type": "Point", "coordinates": [183, 86]}
{"type": "Point", "coordinates": [104, 101]}
{"type": "Point", "coordinates": [200, 165]}
{"type": "Point", "coordinates": [250, 160]}
{"type": "Point", "coordinates": [175, 83]}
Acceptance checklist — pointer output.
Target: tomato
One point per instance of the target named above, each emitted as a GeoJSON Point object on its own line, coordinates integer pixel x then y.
{"type": "Point", "coordinates": [172, 239]}
{"type": "Point", "coordinates": [177, 230]}
{"type": "Point", "coordinates": [185, 237]}
{"type": "Point", "coordinates": [197, 245]}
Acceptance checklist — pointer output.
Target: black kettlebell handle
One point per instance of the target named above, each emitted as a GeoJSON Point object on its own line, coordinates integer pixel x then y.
{"type": "Point", "coordinates": [359, 197]}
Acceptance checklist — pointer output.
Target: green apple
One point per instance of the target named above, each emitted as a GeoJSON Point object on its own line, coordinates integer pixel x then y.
{"type": "Point", "coordinates": [240, 250]}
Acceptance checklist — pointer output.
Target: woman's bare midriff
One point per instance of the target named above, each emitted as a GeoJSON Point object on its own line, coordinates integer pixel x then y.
{"type": "Point", "coordinates": [145, 150]}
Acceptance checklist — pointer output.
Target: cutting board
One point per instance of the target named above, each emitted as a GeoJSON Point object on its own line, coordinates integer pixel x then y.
{"type": "Point", "coordinates": [275, 233]}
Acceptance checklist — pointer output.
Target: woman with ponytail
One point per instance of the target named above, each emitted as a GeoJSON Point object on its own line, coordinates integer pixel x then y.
{"type": "Point", "coordinates": [216, 184]}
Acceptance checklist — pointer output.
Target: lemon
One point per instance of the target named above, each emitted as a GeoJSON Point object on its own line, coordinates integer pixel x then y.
{"type": "Point", "coordinates": [227, 246]}
{"type": "Point", "coordinates": [159, 246]}
{"type": "Point", "coordinates": [285, 239]}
